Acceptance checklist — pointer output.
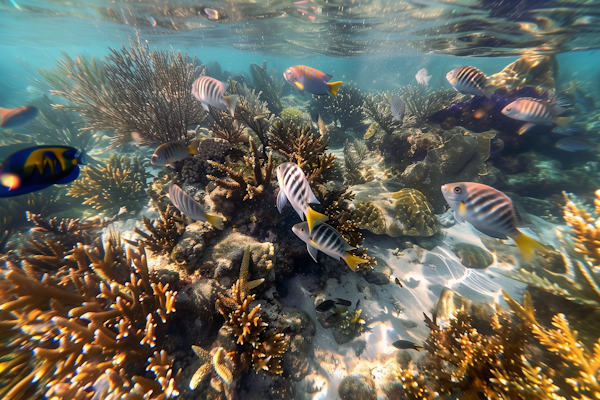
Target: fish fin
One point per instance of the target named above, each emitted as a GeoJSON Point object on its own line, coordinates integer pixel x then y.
{"type": "Point", "coordinates": [492, 233]}
{"type": "Point", "coordinates": [314, 199]}
{"type": "Point", "coordinates": [193, 147]}
{"type": "Point", "coordinates": [69, 178]}
{"type": "Point", "coordinates": [557, 110]}
{"type": "Point", "coordinates": [230, 102]}
{"type": "Point", "coordinates": [563, 121]}
{"type": "Point", "coordinates": [215, 221]}
{"type": "Point", "coordinates": [314, 218]}
{"type": "Point", "coordinates": [205, 106]}
{"type": "Point", "coordinates": [458, 218]}
{"type": "Point", "coordinates": [334, 87]}
{"type": "Point", "coordinates": [489, 90]}
{"type": "Point", "coordinates": [81, 159]}
{"type": "Point", "coordinates": [313, 251]}
{"type": "Point", "coordinates": [462, 210]}
{"type": "Point", "coordinates": [299, 85]}
{"type": "Point", "coordinates": [525, 128]}
{"type": "Point", "coordinates": [281, 200]}
{"type": "Point", "coordinates": [327, 77]}
{"type": "Point", "coordinates": [526, 245]}
{"type": "Point", "coordinates": [353, 261]}
{"type": "Point", "coordinates": [418, 347]}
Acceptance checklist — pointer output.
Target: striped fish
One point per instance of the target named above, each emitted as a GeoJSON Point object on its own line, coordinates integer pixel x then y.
{"type": "Point", "coordinates": [470, 80]}
{"type": "Point", "coordinates": [490, 212]}
{"type": "Point", "coordinates": [168, 153]}
{"type": "Point", "coordinates": [311, 80]}
{"type": "Point", "coordinates": [210, 91]}
{"type": "Point", "coordinates": [326, 239]}
{"type": "Point", "coordinates": [397, 107]}
{"type": "Point", "coordinates": [536, 112]}
{"type": "Point", "coordinates": [294, 187]}
{"type": "Point", "coordinates": [192, 208]}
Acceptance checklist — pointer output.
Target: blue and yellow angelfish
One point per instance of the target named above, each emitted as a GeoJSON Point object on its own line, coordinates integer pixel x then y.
{"type": "Point", "coordinates": [39, 167]}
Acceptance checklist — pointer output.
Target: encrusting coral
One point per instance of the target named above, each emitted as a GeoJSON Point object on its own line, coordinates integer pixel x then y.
{"type": "Point", "coordinates": [238, 183]}
{"type": "Point", "coordinates": [101, 330]}
{"type": "Point", "coordinates": [121, 182]}
{"type": "Point", "coordinates": [300, 146]}
{"type": "Point", "coordinates": [414, 213]}
{"type": "Point", "coordinates": [133, 90]}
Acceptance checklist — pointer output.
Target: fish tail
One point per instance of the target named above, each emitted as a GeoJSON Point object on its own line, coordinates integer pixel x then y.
{"type": "Point", "coordinates": [563, 121]}
{"type": "Point", "coordinates": [230, 102]}
{"type": "Point", "coordinates": [81, 159]}
{"type": "Point", "coordinates": [314, 218]}
{"type": "Point", "coordinates": [525, 128]}
{"type": "Point", "coordinates": [418, 347]}
{"type": "Point", "coordinates": [215, 221]}
{"type": "Point", "coordinates": [333, 88]}
{"type": "Point", "coordinates": [526, 245]}
{"type": "Point", "coordinates": [353, 261]}
{"type": "Point", "coordinates": [193, 147]}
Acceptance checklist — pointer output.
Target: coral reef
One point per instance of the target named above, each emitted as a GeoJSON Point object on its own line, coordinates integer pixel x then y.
{"type": "Point", "coordinates": [226, 127]}
{"type": "Point", "coordinates": [219, 366]}
{"type": "Point", "coordinates": [355, 153]}
{"type": "Point", "coordinates": [163, 233]}
{"type": "Point", "coordinates": [346, 108]}
{"type": "Point", "coordinates": [253, 112]}
{"type": "Point", "coordinates": [414, 213]}
{"type": "Point", "coordinates": [291, 115]}
{"type": "Point", "coordinates": [195, 169]}
{"type": "Point", "coordinates": [377, 107]}
{"type": "Point", "coordinates": [270, 84]}
{"type": "Point", "coordinates": [239, 183]}
{"type": "Point", "coordinates": [133, 90]}
{"type": "Point", "coordinates": [421, 101]}
{"type": "Point", "coordinates": [121, 182]}
{"type": "Point", "coordinates": [106, 324]}
{"type": "Point", "coordinates": [300, 146]}
{"type": "Point", "coordinates": [349, 326]}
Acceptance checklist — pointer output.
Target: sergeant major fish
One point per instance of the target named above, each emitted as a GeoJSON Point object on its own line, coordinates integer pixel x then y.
{"type": "Point", "coordinates": [192, 208]}
{"type": "Point", "coordinates": [210, 91]}
{"type": "Point", "coordinates": [310, 80]}
{"type": "Point", "coordinates": [294, 187]}
{"type": "Point", "coordinates": [470, 80]}
{"type": "Point", "coordinates": [489, 211]}
{"type": "Point", "coordinates": [326, 239]}
{"type": "Point", "coordinates": [168, 153]}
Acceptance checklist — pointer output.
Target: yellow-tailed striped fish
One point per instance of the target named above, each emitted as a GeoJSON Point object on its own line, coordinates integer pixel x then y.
{"type": "Point", "coordinates": [489, 211]}
{"type": "Point", "coordinates": [326, 239]}
{"type": "Point", "coordinates": [168, 153]}
{"type": "Point", "coordinates": [294, 187]}
{"type": "Point", "coordinates": [470, 80]}
{"type": "Point", "coordinates": [210, 91]}
{"type": "Point", "coordinates": [536, 112]}
{"type": "Point", "coordinates": [192, 208]}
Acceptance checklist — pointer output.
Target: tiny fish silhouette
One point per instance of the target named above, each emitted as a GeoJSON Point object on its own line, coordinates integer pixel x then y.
{"type": "Point", "coordinates": [398, 282]}
{"type": "Point", "coordinates": [406, 345]}
{"type": "Point", "coordinates": [342, 302]}
{"type": "Point", "coordinates": [325, 306]}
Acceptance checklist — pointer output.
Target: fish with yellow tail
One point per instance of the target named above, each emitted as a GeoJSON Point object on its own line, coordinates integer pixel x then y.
{"type": "Point", "coordinates": [168, 153]}
{"type": "Point", "coordinates": [536, 112]}
{"type": "Point", "coordinates": [489, 211]}
{"type": "Point", "coordinates": [192, 208]}
{"type": "Point", "coordinates": [294, 186]}
{"type": "Point", "coordinates": [311, 80]}
{"type": "Point", "coordinates": [326, 239]}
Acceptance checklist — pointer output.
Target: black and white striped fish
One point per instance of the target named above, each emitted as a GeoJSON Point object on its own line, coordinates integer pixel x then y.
{"type": "Point", "coordinates": [173, 151]}
{"type": "Point", "coordinates": [293, 186]}
{"type": "Point", "coordinates": [326, 239]}
{"type": "Point", "coordinates": [397, 107]}
{"type": "Point", "coordinates": [470, 80]}
{"type": "Point", "coordinates": [536, 112]}
{"type": "Point", "coordinates": [192, 208]}
{"type": "Point", "coordinates": [212, 92]}
{"type": "Point", "coordinates": [489, 211]}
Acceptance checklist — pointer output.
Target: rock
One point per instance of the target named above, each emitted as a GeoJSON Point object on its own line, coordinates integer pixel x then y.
{"type": "Point", "coordinates": [193, 243]}
{"type": "Point", "coordinates": [472, 256]}
{"type": "Point", "coordinates": [378, 278]}
{"type": "Point", "coordinates": [300, 328]}
{"type": "Point", "coordinates": [357, 387]}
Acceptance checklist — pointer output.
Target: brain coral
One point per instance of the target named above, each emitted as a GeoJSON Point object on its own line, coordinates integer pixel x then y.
{"type": "Point", "coordinates": [414, 213]}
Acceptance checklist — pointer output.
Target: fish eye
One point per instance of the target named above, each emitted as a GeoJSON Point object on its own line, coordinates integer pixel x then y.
{"type": "Point", "coordinates": [508, 108]}
{"type": "Point", "coordinates": [457, 190]}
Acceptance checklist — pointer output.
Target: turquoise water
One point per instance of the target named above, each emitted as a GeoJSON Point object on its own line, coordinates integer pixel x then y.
{"type": "Point", "coordinates": [118, 285]}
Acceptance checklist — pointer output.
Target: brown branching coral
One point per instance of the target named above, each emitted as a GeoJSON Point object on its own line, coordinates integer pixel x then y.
{"type": "Point", "coordinates": [300, 146]}
{"type": "Point", "coordinates": [163, 232]}
{"type": "Point", "coordinates": [133, 90]}
{"type": "Point", "coordinates": [220, 367]}
{"type": "Point", "coordinates": [225, 127]}
{"type": "Point", "coordinates": [104, 327]}
{"type": "Point", "coordinates": [121, 182]}
{"type": "Point", "coordinates": [238, 182]}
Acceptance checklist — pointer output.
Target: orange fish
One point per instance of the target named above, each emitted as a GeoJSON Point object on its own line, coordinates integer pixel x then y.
{"type": "Point", "coordinates": [17, 116]}
{"type": "Point", "coordinates": [311, 80]}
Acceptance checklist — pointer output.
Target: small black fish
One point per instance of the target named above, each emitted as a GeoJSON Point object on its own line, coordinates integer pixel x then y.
{"type": "Point", "coordinates": [343, 302]}
{"type": "Point", "coordinates": [406, 345]}
{"type": "Point", "coordinates": [325, 306]}
{"type": "Point", "coordinates": [398, 282]}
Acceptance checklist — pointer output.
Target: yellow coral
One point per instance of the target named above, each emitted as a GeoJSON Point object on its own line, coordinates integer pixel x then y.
{"type": "Point", "coordinates": [415, 213]}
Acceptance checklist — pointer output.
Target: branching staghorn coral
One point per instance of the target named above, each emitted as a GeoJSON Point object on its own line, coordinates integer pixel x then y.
{"type": "Point", "coordinates": [581, 281]}
{"type": "Point", "coordinates": [421, 101]}
{"type": "Point", "coordinates": [248, 325]}
{"type": "Point", "coordinates": [237, 182]}
{"type": "Point", "coordinates": [377, 107]}
{"type": "Point", "coordinates": [226, 127]}
{"type": "Point", "coordinates": [132, 90]}
{"type": "Point", "coordinates": [163, 232]}
{"type": "Point", "coordinates": [253, 112]}
{"type": "Point", "coordinates": [300, 146]}
{"type": "Point", "coordinates": [121, 182]}
{"type": "Point", "coordinates": [270, 84]}
{"type": "Point", "coordinates": [102, 328]}
{"type": "Point", "coordinates": [346, 107]}
{"type": "Point", "coordinates": [220, 366]}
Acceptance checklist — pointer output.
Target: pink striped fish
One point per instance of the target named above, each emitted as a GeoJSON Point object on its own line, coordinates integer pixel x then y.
{"type": "Point", "coordinates": [210, 91]}
{"type": "Point", "coordinates": [489, 211]}
{"type": "Point", "coordinates": [192, 208]}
